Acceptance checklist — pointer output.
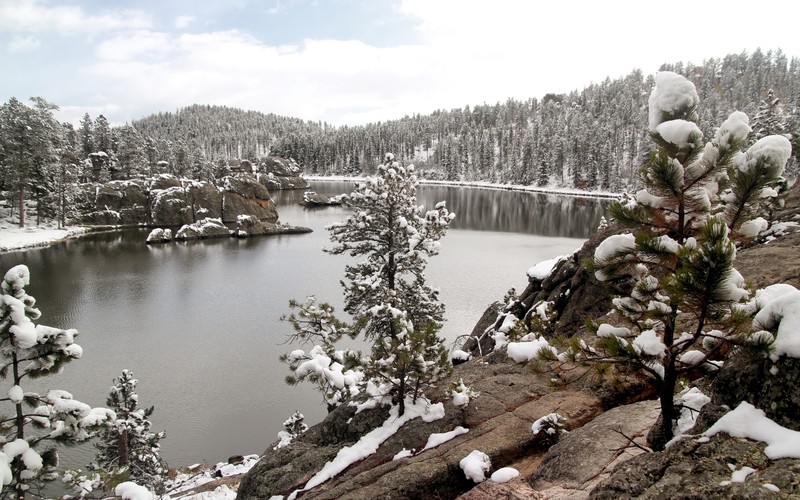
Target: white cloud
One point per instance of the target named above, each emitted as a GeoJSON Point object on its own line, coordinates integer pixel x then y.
{"type": "Point", "coordinates": [466, 52]}
{"type": "Point", "coordinates": [36, 16]}
{"type": "Point", "coordinates": [182, 22]}
{"type": "Point", "coordinates": [23, 44]}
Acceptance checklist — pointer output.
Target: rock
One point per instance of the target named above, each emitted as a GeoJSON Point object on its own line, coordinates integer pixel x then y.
{"type": "Point", "coordinates": [206, 228]}
{"type": "Point", "coordinates": [246, 186]}
{"type": "Point", "coordinates": [574, 465]}
{"type": "Point", "coordinates": [103, 218]}
{"type": "Point", "coordinates": [744, 378]}
{"type": "Point", "coordinates": [234, 204]}
{"type": "Point", "coordinates": [511, 398]}
{"type": "Point", "coordinates": [236, 459]}
{"type": "Point", "coordinates": [159, 235]}
{"type": "Point", "coordinates": [480, 343]}
{"type": "Point", "coordinates": [312, 199]}
{"type": "Point", "coordinates": [279, 173]}
{"type": "Point", "coordinates": [248, 225]}
{"type": "Point", "coordinates": [168, 207]}
{"type": "Point", "coordinates": [516, 489]}
{"type": "Point", "coordinates": [690, 469]}
{"type": "Point", "coordinates": [204, 198]}
{"type": "Point", "coordinates": [163, 181]}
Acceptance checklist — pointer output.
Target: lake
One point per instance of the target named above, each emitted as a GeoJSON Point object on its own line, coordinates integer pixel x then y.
{"type": "Point", "coordinates": [198, 322]}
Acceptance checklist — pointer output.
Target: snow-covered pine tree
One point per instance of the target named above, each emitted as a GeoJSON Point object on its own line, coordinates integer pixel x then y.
{"type": "Point", "coordinates": [127, 443]}
{"type": "Point", "coordinates": [336, 373]}
{"type": "Point", "coordinates": [33, 420]}
{"type": "Point", "coordinates": [678, 263]}
{"type": "Point", "coordinates": [386, 292]}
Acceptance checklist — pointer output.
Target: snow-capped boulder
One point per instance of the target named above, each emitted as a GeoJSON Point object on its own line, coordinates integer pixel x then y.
{"type": "Point", "coordinates": [206, 228]}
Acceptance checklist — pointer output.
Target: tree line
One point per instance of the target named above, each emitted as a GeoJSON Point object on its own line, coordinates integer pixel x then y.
{"type": "Point", "coordinates": [592, 139]}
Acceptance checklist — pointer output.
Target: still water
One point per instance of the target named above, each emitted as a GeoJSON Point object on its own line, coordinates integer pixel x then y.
{"type": "Point", "coordinates": [198, 322]}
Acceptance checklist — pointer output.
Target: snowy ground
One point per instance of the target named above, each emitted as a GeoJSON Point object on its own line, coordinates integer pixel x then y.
{"type": "Point", "coordinates": [15, 238]}
{"type": "Point", "coordinates": [486, 185]}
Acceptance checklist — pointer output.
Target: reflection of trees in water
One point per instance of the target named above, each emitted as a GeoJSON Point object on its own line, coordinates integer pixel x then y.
{"type": "Point", "coordinates": [505, 211]}
{"type": "Point", "coordinates": [519, 212]}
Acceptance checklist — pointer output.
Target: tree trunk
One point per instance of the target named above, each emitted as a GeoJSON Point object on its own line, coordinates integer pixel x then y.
{"type": "Point", "coordinates": [21, 207]}
{"type": "Point", "coordinates": [122, 445]}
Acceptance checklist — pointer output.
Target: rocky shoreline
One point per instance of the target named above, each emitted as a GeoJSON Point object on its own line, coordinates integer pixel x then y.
{"type": "Point", "coordinates": [605, 454]}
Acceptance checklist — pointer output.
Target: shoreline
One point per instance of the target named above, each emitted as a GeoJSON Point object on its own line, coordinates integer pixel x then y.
{"type": "Point", "coordinates": [19, 239]}
{"type": "Point", "coordinates": [577, 193]}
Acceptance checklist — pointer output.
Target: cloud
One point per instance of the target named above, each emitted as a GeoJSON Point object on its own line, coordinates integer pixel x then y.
{"type": "Point", "coordinates": [35, 16]}
{"type": "Point", "coordinates": [463, 52]}
{"type": "Point", "coordinates": [23, 44]}
{"type": "Point", "coordinates": [182, 22]}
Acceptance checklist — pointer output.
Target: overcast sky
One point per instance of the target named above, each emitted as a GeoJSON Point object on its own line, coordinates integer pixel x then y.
{"type": "Point", "coordinates": [354, 61]}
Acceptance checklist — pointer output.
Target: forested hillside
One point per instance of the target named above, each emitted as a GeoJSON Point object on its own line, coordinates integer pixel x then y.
{"type": "Point", "coordinates": [592, 139]}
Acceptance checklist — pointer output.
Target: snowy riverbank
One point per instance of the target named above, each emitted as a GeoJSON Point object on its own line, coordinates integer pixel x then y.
{"type": "Point", "coordinates": [17, 238]}
{"type": "Point", "coordinates": [486, 185]}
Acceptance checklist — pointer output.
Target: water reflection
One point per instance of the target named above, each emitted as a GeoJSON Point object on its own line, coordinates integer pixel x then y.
{"type": "Point", "coordinates": [197, 322]}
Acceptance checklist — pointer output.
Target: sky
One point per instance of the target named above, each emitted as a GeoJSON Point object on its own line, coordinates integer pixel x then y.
{"type": "Point", "coordinates": [351, 62]}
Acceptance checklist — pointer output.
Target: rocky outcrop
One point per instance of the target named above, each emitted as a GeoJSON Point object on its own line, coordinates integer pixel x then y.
{"type": "Point", "coordinates": [168, 201]}
{"type": "Point", "coordinates": [206, 228]}
{"type": "Point", "coordinates": [694, 469]}
{"type": "Point", "coordinates": [247, 225]}
{"type": "Point", "coordinates": [585, 456]}
{"type": "Point", "coordinates": [499, 421]}
{"type": "Point", "coordinates": [275, 172]}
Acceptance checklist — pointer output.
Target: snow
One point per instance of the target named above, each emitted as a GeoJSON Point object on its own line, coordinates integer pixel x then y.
{"type": "Point", "coordinates": [132, 491]}
{"type": "Point", "coordinates": [734, 129]}
{"type": "Point", "coordinates": [739, 475]}
{"type": "Point", "coordinates": [606, 330]}
{"type": "Point", "coordinates": [369, 443]}
{"type": "Point", "coordinates": [751, 228]}
{"type": "Point", "coordinates": [649, 343]}
{"type": "Point", "coordinates": [504, 475]}
{"type": "Point", "coordinates": [475, 466]}
{"type": "Point", "coordinates": [543, 269]}
{"type": "Point", "coordinates": [771, 487]}
{"type": "Point", "coordinates": [692, 401]}
{"type": "Point", "coordinates": [27, 237]}
{"type": "Point", "coordinates": [643, 197]}
{"type": "Point", "coordinates": [746, 421]}
{"type": "Point", "coordinates": [15, 394]}
{"type": "Point", "coordinates": [782, 312]}
{"type": "Point", "coordinates": [672, 93]}
{"type": "Point", "coordinates": [522, 352]}
{"type": "Point", "coordinates": [612, 246]}
{"type": "Point", "coordinates": [438, 438]}
{"type": "Point", "coordinates": [462, 395]}
{"type": "Point", "coordinates": [775, 150]}
{"type": "Point", "coordinates": [680, 133]}
{"type": "Point", "coordinates": [550, 424]}
{"type": "Point", "coordinates": [460, 355]}
{"type": "Point", "coordinates": [692, 357]}
{"type": "Point", "coordinates": [404, 453]}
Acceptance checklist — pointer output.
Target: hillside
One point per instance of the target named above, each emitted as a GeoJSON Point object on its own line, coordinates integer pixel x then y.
{"type": "Point", "coordinates": [591, 138]}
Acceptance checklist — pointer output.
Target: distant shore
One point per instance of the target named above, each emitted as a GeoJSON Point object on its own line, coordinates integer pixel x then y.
{"type": "Point", "coordinates": [485, 185]}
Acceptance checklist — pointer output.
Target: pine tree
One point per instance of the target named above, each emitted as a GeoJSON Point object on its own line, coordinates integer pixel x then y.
{"type": "Point", "coordinates": [29, 139]}
{"type": "Point", "coordinates": [680, 259]}
{"type": "Point", "coordinates": [385, 292]}
{"type": "Point", "coordinates": [34, 420]}
{"type": "Point", "coordinates": [127, 446]}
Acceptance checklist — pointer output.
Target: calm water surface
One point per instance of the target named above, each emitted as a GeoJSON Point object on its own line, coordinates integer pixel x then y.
{"type": "Point", "coordinates": [198, 323]}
